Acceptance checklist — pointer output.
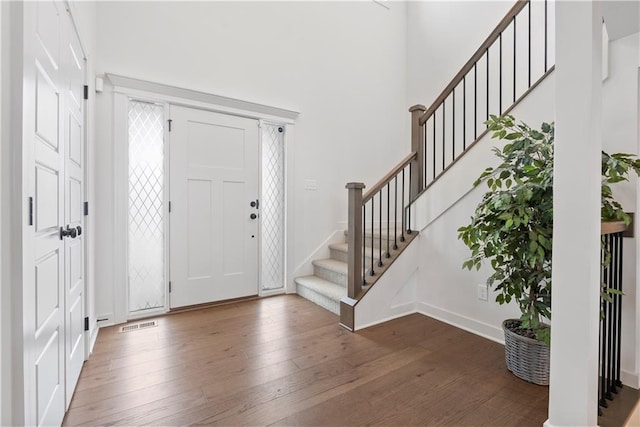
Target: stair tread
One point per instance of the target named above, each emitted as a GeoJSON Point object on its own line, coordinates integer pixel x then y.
{"type": "Point", "coordinates": [323, 287]}
{"type": "Point", "coordinates": [332, 264]}
{"type": "Point", "coordinates": [342, 247]}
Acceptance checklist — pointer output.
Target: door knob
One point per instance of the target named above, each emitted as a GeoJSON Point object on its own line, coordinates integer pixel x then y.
{"type": "Point", "coordinates": [255, 204]}
{"type": "Point", "coordinates": [68, 232]}
{"type": "Point", "coordinates": [253, 216]}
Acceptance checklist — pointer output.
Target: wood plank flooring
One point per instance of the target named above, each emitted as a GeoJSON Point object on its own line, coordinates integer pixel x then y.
{"type": "Point", "coordinates": [285, 361]}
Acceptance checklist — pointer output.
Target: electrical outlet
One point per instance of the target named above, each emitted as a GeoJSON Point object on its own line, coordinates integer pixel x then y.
{"type": "Point", "coordinates": [483, 292]}
{"type": "Point", "coordinates": [310, 184]}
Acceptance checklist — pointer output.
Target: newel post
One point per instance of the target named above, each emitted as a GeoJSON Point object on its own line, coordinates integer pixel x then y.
{"type": "Point", "coordinates": [417, 165]}
{"type": "Point", "coordinates": [354, 239]}
{"type": "Point", "coordinates": [354, 255]}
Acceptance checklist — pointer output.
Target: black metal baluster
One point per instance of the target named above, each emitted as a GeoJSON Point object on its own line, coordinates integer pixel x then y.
{"type": "Point", "coordinates": [424, 157]}
{"type": "Point", "coordinates": [609, 324]}
{"type": "Point", "coordinates": [529, 44]}
{"type": "Point", "coordinates": [402, 205]}
{"type": "Point", "coordinates": [453, 130]}
{"type": "Point", "coordinates": [545, 36]}
{"type": "Point", "coordinates": [411, 199]}
{"type": "Point", "coordinates": [372, 272]}
{"type": "Point", "coordinates": [380, 230]}
{"type": "Point", "coordinates": [475, 101]}
{"type": "Point", "coordinates": [614, 309]}
{"type": "Point", "coordinates": [444, 128]}
{"type": "Point", "coordinates": [364, 246]}
{"type": "Point", "coordinates": [464, 113]}
{"type": "Point", "coordinates": [603, 340]}
{"type": "Point", "coordinates": [618, 297]}
{"type": "Point", "coordinates": [500, 78]}
{"type": "Point", "coordinates": [395, 215]}
{"type": "Point", "coordinates": [434, 150]}
{"type": "Point", "coordinates": [487, 115]}
{"type": "Point", "coordinates": [514, 59]}
{"type": "Point", "coordinates": [388, 219]}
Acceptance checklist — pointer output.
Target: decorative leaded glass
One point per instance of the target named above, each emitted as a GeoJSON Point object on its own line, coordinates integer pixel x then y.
{"type": "Point", "coordinates": [146, 202]}
{"type": "Point", "coordinates": [272, 207]}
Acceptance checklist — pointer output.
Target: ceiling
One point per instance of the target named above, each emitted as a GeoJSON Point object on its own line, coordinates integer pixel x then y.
{"type": "Point", "coordinates": [621, 17]}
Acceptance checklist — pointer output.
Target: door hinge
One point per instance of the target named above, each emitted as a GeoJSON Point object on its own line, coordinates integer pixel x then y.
{"type": "Point", "coordinates": [86, 323]}
{"type": "Point", "coordinates": [169, 121]}
{"type": "Point", "coordinates": [30, 210]}
{"type": "Point", "coordinates": [86, 92]}
{"type": "Point", "coordinates": [169, 206]}
{"type": "Point", "coordinates": [169, 286]}
{"type": "Point", "coordinates": [86, 208]}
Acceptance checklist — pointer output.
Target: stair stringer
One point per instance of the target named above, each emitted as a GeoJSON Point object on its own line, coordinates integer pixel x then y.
{"type": "Point", "coordinates": [394, 293]}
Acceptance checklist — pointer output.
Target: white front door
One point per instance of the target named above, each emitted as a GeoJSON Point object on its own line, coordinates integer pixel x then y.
{"type": "Point", "coordinates": [53, 162]}
{"type": "Point", "coordinates": [73, 117]}
{"type": "Point", "coordinates": [214, 224]}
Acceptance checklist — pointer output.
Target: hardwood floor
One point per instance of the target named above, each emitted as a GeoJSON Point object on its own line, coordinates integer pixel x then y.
{"type": "Point", "coordinates": [285, 361]}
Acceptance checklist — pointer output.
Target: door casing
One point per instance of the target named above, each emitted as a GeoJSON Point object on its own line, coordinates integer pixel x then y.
{"type": "Point", "coordinates": [124, 88]}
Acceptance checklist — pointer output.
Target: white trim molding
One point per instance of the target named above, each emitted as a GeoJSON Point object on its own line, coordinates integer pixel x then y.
{"type": "Point", "coordinates": [193, 98]}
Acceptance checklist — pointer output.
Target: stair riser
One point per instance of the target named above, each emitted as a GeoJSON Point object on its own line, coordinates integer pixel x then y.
{"type": "Point", "coordinates": [343, 256]}
{"type": "Point", "coordinates": [368, 242]}
{"type": "Point", "coordinates": [330, 275]}
{"type": "Point", "coordinates": [321, 300]}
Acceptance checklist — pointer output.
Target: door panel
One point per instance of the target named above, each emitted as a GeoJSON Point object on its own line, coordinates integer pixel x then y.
{"type": "Point", "coordinates": [74, 76]}
{"type": "Point", "coordinates": [49, 388]}
{"type": "Point", "coordinates": [214, 177]}
{"type": "Point", "coordinates": [47, 288]}
{"type": "Point", "coordinates": [44, 289]}
{"type": "Point", "coordinates": [47, 198]}
{"type": "Point", "coordinates": [53, 318]}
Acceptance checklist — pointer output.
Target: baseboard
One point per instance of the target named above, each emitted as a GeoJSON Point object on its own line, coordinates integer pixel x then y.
{"type": "Point", "coordinates": [397, 311]}
{"type": "Point", "coordinates": [630, 379]}
{"type": "Point", "coordinates": [272, 292]}
{"type": "Point", "coordinates": [459, 321]}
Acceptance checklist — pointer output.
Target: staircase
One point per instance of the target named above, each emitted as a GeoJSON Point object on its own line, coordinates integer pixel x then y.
{"type": "Point", "coordinates": [440, 135]}
{"type": "Point", "coordinates": [328, 283]}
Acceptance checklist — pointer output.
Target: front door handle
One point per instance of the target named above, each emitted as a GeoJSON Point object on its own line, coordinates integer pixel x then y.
{"type": "Point", "coordinates": [255, 204]}
{"type": "Point", "coordinates": [253, 216]}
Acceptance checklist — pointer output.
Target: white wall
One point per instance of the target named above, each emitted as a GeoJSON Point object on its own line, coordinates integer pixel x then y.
{"type": "Point", "coordinates": [341, 65]}
{"type": "Point", "coordinates": [620, 124]}
{"type": "Point", "coordinates": [441, 37]}
{"type": "Point", "coordinates": [446, 291]}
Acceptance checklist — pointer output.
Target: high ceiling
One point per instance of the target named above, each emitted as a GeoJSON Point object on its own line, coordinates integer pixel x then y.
{"type": "Point", "coordinates": [622, 18]}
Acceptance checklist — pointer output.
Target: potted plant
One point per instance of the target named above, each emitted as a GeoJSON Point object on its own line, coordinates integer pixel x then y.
{"type": "Point", "coordinates": [512, 228]}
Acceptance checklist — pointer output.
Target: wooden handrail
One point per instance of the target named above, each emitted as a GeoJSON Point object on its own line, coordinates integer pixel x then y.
{"type": "Point", "coordinates": [388, 177]}
{"type": "Point", "coordinates": [502, 25]}
{"type": "Point", "coordinates": [611, 227]}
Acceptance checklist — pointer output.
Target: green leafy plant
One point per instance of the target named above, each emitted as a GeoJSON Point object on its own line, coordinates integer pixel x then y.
{"type": "Point", "coordinates": [512, 227]}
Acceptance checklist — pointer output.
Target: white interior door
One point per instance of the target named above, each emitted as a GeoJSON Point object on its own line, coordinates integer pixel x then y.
{"type": "Point", "coordinates": [44, 256]}
{"type": "Point", "coordinates": [73, 117]}
{"type": "Point", "coordinates": [214, 228]}
{"type": "Point", "coordinates": [53, 312]}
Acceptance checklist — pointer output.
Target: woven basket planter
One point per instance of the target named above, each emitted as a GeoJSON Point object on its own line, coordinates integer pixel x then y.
{"type": "Point", "coordinates": [527, 358]}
